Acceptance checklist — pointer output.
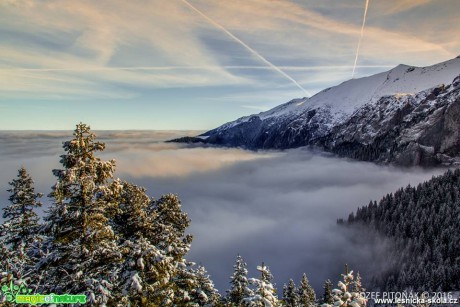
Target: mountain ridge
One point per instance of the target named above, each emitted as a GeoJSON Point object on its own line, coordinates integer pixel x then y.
{"type": "Point", "coordinates": [398, 100]}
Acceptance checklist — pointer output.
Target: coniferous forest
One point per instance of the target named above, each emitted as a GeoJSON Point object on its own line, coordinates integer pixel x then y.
{"type": "Point", "coordinates": [423, 222]}
{"type": "Point", "coordinates": [109, 240]}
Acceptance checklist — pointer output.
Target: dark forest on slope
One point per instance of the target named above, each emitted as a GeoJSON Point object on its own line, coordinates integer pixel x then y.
{"type": "Point", "coordinates": [424, 224]}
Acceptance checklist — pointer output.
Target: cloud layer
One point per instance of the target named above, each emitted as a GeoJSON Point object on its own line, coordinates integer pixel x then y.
{"type": "Point", "coordinates": [277, 207]}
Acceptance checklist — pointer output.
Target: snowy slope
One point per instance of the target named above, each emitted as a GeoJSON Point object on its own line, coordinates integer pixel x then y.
{"type": "Point", "coordinates": [360, 117]}
{"type": "Point", "coordinates": [342, 100]}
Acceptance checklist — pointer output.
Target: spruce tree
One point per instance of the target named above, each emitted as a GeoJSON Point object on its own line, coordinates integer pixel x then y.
{"type": "Point", "coordinates": [206, 292]}
{"type": "Point", "coordinates": [307, 296]}
{"type": "Point", "coordinates": [82, 249]}
{"type": "Point", "coordinates": [290, 295]}
{"type": "Point", "coordinates": [145, 276]}
{"type": "Point", "coordinates": [152, 239]}
{"type": "Point", "coordinates": [239, 283]}
{"type": "Point", "coordinates": [170, 226]}
{"type": "Point", "coordinates": [109, 240]}
{"type": "Point", "coordinates": [345, 296]}
{"type": "Point", "coordinates": [357, 285]}
{"type": "Point", "coordinates": [327, 295]}
{"type": "Point", "coordinates": [264, 293]}
{"type": "Point", "coordinates": [194, 287]}
{"type": "Point", "coordinates": [185, 284]}
{"type": "Point", "coordinates": [19, 231]}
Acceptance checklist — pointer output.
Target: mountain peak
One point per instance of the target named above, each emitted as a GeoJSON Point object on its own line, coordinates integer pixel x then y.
{"type": "Point", "coordinates": [363, 109]}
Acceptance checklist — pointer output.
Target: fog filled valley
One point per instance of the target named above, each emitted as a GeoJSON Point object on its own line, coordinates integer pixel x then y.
{"type": "Point", "coordinates": [229, 153]}
{"type": "Point", "coordinates": [277, 207]}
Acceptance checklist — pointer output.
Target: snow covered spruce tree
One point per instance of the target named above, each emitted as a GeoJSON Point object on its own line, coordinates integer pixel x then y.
{"type": "Point", "coordinates": [188, 282]}
{"type": "Point", "coordinates": [81, 253]}
{"type": "Point", "coordinates": [194, 287]}
{"type": "Point", "coordinates": [151, 236]}
{"type": "Point", "coordinates": [345, 296]}
{"type": "Point", "coordinates": [19, 231]}
{"type": "Point", "coordinates": [357, 284]}
{"type": "Point", "coordinates": [144, 277]}
{"type": "Point", "coordinates": [327, 295]}
{"type": "Point", "coordinates": [264, 293]}
{"type": "Point", "coordinates": [290, 295]}
{"type": "Point", "coordinates": [206, 292]}
{"type": "Point", "coordinates": [109, 240]}
{"type": "Point", "coordinates": [306, 293]}
{"type": "Point", "coordinates": [239, 284]}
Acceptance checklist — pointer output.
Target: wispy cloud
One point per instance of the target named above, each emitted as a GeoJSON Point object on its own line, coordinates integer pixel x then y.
{"type": "Point", "coordinates": [162, 68]}
{"type": "Point", "coordinates": [53, 50]}
{"type": "Point", "coordinates": [250, 49]}
{"type": "Point", "coordinates": [259, 108]}
{"type": "Point", "coordinates": [399, 6]}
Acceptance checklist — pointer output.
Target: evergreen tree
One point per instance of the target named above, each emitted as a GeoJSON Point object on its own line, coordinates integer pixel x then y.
{"type": "Point", "coordinates": [422, 225]}
{"type": "Point", "coordinates": [307, 296]}
{"type": "Point", "coordinates": [82, 251]}
{"type": "Point", "coordinates": [193, 287]}
{"type": "Point", "coordinates": [239, 283]}
{"type": "Point", "coordinates": [264, 293]}
{"type": "Point", "coordinates": [290, 295]}
{"type": "Point", "coordinates": [170, 225]}
{"type": "Point", "coordinates": [327, 296]}
{"type": "Point", "coordinates": [206, 292]}
{"type": "Point", "coordinates": [19, 231]}
{"type": "Point", "coordinates": [344, 296]}
{"type": "Point", "coordinates": [185, 284]}
{"type": "Point", "coordinates": [145, 276]}
{"type": "Point", "coordinates": [357, 286]}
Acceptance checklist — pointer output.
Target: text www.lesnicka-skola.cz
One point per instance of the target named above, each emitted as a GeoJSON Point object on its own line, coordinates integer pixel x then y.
{"type": "Point", "coordinates": [411, 297]}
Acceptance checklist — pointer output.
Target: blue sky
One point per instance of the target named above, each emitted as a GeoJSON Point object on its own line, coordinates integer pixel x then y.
{"type": "Point", "coordinates": [161, 64]}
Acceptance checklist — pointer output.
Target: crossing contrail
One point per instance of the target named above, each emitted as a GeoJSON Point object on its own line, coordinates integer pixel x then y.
{"type": "Point", "coordinates": [360, 37]}
{"type": "Point", "coordinates": [273, 66]}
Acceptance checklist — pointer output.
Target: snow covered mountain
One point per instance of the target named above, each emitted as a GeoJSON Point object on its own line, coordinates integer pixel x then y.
{"type": "Point", "coordinates": [407, 115]}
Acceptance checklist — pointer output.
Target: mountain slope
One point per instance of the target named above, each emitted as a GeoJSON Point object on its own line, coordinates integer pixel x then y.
{"type": "Point", "coordinates": [423, 222]}
{"type": "Point", "coordinates": [398, 108]}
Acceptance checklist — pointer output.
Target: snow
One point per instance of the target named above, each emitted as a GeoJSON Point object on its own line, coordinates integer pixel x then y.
{"type": "Point", "coordinates": [342, 100]}
{"type": "Point", "coordinates": [345, 98]}
{"type": "Point", "coordinates": [136, 283]}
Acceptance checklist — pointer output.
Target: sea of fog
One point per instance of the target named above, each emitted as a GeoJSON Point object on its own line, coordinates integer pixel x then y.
{"type": "Point", "coordinates": [271, 206]}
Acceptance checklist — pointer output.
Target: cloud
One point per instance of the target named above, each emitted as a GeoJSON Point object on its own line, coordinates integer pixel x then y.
{"type": "Point", "coordinates": [171, 161]}
{"type": "Point", "coordinates": [79, 48]}
{"type": "Point", "coordinates": [258, 108]}
{"type": "Point", "coordinates": [334, 36]}
{"type": "Point", "coordinates": [282, 210]}
{"type": "Point", "coordinates": [277, 207]}
{"type": "Point", "coordinates": [398, 6]}
{"type": "Point", "coordinates": [91, 37]}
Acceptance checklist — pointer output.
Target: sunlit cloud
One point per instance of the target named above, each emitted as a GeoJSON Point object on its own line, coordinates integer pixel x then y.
{"type": "Point", "coordinates": [102, 50]}
{"type": "Point", "coordinates": [169, 161]}
{"type": "Point", "coordinates": [258, 108]}
{"type": "Point", "coordinates": [398, 6]}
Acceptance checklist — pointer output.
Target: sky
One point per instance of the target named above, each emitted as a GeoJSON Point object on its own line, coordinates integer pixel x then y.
{"type": "Point", "coordinates": [279, 207]}
{"type": "Point", "coordinates": [195, 64]}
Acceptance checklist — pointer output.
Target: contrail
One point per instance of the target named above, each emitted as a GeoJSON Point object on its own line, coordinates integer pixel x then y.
{"type": "Point", "coordinates": [360, 38]}
{"type": "Point", "coordinates": [246, 46]}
